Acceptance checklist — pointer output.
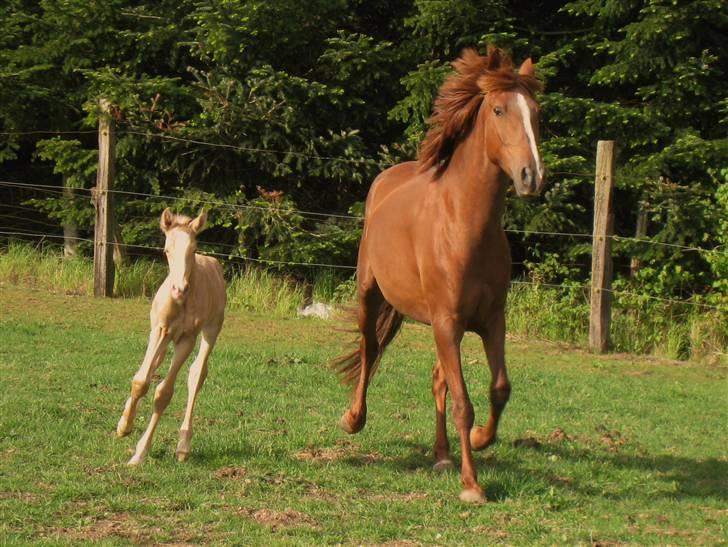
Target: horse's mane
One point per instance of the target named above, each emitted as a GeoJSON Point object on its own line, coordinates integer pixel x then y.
{"type": "Point", "coordinates": [459, 100]}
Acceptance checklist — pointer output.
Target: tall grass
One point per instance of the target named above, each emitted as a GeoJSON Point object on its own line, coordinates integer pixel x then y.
{"type": "Point", "coordinates": [258, 290]}
{"type": "Point", "coordinates": [639, 325]}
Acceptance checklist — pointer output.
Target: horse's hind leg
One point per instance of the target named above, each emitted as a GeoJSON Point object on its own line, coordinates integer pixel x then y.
{"type": "Point", "coordinates": [197, 375]}
{"type": "Point", "coordinates": [162, 395]}
{"type": "Point", "coordinates": [156, 348]}
{"type": "Point", "coordinates": [442, 446]}
{"type": "Point", "coordinates": [494, 338]}
{"type": "Point", "coordinates": [370, 306]}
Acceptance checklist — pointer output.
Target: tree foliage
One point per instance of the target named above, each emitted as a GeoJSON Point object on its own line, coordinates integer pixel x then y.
{"type": "Point", "coordinates": [235, 101]}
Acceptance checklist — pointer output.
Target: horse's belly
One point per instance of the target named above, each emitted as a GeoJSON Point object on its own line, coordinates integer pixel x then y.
{"type": "Point", "coordinates": [395, 269]}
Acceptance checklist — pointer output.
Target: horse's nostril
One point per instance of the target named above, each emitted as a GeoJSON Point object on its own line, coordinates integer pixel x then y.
{"type": "Point", "coordinates": [526, 175]}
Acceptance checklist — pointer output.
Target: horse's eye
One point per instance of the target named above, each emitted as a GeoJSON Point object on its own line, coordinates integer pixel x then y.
{"type": "Point", "coordinates": [498, 111]}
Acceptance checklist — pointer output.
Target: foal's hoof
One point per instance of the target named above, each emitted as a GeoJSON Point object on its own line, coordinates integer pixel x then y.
{"type": "Point", "coordinates": [182, 456]}
{"type": "Point", "coordinates": [135, 460]}
{"type": "Point", "coordinates": [443, 466]}
{"type": "Point", "coordinates": [123, 428]}
{"type": "Point", "coordinates": [472, 496]}
{"type": "Point", "coordinates": [351, 426]}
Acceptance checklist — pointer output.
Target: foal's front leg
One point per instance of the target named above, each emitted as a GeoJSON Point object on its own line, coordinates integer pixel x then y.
{"type": "Point", "coordinates": [156, 348]}
{"type": "Point", "coordinates": [162, 395]}
{"type": "Point", "coordinates": [197, 375]}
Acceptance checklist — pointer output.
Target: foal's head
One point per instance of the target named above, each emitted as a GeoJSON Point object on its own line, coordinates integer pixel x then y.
{"type": "Point", "coordinates": [179, 247]}
{"type": "Point", "coordinates": [488, 93]}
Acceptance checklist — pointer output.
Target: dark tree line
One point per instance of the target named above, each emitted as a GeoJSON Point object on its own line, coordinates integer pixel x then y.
{"type": "Point", "coordinates": [314, 98]}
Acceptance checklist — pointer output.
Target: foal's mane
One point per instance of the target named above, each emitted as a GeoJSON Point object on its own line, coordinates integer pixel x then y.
{"type": "Point", "coordinates": [459, 100]}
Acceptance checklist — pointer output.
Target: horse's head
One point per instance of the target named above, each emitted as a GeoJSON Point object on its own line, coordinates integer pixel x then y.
{"type": "Point", "coordinates": [485, 93]}
{"type": "Point", "coordinates": [179, 247]}
{"type": "Point", "coordinates": [511, 124]}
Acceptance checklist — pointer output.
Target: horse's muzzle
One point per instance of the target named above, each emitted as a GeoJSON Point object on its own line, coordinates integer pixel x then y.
{"type": "Point", "coordinates": [528, 183]}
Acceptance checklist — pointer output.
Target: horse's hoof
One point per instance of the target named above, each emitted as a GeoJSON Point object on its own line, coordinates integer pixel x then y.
{"type": "Point", "coordinates": [472, 496]}
{"type": "Point", "coordinates": [346, 424]}
{"type": "Point", "coordinates": [443, 466]}
{"type": "Point", "coordinates": [135, 460]}
{"type": "Point", "coordinates": [182, 456]}
{"type": "Point", "coordinates": [480, 439]}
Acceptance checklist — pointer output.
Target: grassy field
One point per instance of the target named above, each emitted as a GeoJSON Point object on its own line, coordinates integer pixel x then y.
{"type": "Point", "coordinates": [593, 450]}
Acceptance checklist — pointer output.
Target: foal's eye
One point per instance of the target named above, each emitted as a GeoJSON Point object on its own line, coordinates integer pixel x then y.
{"type": "Point", "coordinates": [498, 111]}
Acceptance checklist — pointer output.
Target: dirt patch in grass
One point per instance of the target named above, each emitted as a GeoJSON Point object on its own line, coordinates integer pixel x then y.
{"type": "Point", "coordinates": [121, 525]}
{"type": "Point", "coordinates": [344, 450]}
{"type": "Point", "coordinates": [230, 473]}
{"type": "Point", "coordinates": [612, 440]}
{"type": "Point", "coordinates": [25, 497]}
{"type": "Point", "coordinates": [288, 518]}
{"type": "Point", "coordinates": [314, 491]}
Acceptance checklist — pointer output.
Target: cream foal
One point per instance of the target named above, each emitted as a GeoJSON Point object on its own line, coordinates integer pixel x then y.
{"type": "Point", "coordinates": [191, 299]}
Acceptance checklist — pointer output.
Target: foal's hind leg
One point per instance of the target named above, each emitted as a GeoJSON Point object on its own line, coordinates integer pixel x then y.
{"type": "Point", "coordinates": [370, 302]}
{"type": "Point", "coordinates": [156, 348]}
{"type": "Point", "coordinates": [442, 445]}
{"type": "Point", "coordinates": [162, 395]}
{"type": "Point", "coordinates": [494, 338]}
{"type": "Point", "coordinates": [198, 373]}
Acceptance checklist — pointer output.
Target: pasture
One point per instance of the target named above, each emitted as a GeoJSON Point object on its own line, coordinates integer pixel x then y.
{"type": "Point", "coordinates": [598, 450]}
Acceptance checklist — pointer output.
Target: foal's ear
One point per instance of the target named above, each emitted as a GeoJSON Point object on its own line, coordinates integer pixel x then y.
{"type": "Point", "coordinates": [165, 222]}
{"type": "Point", "coordinates": [198, 224]}
{"type": "Point", "coordinates": [527, 68]}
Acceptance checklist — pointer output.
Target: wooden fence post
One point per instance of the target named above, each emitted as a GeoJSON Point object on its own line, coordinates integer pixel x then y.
{"type": "Point", "coordinates": [103, 202]}
{"type": "Point", "coordinates": [601, 298]}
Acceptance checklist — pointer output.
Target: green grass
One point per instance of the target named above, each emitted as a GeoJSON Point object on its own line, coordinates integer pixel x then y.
{"type": "Point", "coordinates": [593, 450]}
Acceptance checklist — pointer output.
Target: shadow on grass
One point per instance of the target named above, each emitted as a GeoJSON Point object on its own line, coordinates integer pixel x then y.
{"type": "Point", "coordinates": [694, 478]}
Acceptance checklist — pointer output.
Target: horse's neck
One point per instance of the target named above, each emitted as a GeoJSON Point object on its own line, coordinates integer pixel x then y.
{"type": "Point", "coordinates": [476, 187]}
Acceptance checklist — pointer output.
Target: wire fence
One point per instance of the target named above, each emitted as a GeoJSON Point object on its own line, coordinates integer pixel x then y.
{"type": "Point", "coordinates": [238, 259]}
{"type": "Point", "coordinates": [59, 192]}
{"type": "Point", "coordinates": [86, 193]}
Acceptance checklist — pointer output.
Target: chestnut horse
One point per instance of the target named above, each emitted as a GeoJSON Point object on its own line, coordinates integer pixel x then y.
{"type": "Point", "coordinates": [191, 299]}
{"type": "Point", "coordinates": [434, 249]}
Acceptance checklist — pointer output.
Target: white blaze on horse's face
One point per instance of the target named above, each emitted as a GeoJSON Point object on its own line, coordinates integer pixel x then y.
{"type": "Point", "coordinates": [180, 249]}
{"type": "Point", "coordinates": [515, 117]}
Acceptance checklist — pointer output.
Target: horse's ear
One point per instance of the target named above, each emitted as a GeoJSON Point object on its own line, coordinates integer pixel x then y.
{"type": "Point", "coordinates": [527, 68]}
{"type": "Point", "coordinates": [165, 222]}
{"type": "Point", "coordinates": [198, 224]}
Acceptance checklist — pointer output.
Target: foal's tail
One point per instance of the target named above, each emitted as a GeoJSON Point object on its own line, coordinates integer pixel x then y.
{"type": "Point", "coordinates": [389, 321]}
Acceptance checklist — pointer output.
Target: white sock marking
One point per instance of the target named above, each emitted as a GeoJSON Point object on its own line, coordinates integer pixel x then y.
{"type": "Point", "coordinates": [529, 130]}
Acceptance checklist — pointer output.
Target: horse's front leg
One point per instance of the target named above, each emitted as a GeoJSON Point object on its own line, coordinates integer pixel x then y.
{"type": "Point", "coordinates": [494, 339]}
{"type": "Point", "coordinates": [448, 335]}
{"type": "Point", "coordinates": [162, 395]}
{"type": "Point", "coordinates": [156, 348]}
{"type": "Point", "coordinates": [441, 449]}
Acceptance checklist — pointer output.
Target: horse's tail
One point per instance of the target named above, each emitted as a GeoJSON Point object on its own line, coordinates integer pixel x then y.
{"type": "Point", "coordinates": [389, 321]}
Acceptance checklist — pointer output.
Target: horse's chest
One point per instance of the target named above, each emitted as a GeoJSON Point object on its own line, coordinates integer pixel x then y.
{"type": "Point", "coordinates": [185, 324]}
